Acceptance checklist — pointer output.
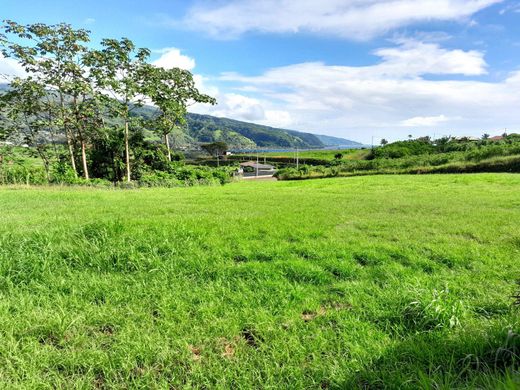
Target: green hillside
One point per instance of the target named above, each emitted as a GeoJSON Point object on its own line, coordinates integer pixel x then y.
{"type": "Point", "coordinates": [203, 128]}
{"type": "Point", "coordinates": [242, 135]}
{"type": "Point", "coordinates": [245, 135]}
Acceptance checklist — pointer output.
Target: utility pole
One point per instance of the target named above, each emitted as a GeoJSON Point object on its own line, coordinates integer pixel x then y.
{"type": "Point", "coordinates": [256, 171]}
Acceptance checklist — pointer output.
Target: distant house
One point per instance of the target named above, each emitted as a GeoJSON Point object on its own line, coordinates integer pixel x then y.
{"type": "Point", "coordinates": [496, 138]}
{"type": "Point", "coordinates": [253, 169]}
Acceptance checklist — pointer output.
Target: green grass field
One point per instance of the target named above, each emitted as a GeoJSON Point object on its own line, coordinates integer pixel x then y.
{"type": "Point", "coordinates": [325, 155]}
{"type": "Point", "coordinates": [366, 282]}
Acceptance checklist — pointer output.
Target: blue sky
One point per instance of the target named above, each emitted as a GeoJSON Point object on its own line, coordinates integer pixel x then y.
{"type": "Point", "coordinates": [351, 68]}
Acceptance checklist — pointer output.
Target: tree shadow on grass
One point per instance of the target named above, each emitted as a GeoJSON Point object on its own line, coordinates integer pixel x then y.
{"type": "Point", "coordinates": [438, 360]}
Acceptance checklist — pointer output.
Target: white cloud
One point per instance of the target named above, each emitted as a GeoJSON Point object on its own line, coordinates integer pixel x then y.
{"type": "Point", "coordinates": [418, 58]}
{"type": "Point", "coordinates": [10, 67]}
{"type": "Point", "coordinates": [89, 21]}
{"type": "Point", "coordinates": [241, 107]}
{"type": "Point", "coordinates": [353, 19]}
{"type": "Point", "coordinates": [172, 57]}
{"type": "Point", "coordinates": [513, 7]}
{"type": "Point", "coordinates": [245, 108]}
{"type": "Point", "coordinates": [425, 121]}
{"type": "Point", "coordinates": [390, 98]}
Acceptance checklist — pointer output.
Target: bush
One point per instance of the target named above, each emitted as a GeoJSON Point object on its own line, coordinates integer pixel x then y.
{"type": "Point", "coordinates": [185, 175]}
{"type": "Point", "coordinates": [159, 179]}
{"type": "Point", "coordinates": [62, 173]}
{"type": "Point", "coordinates": [21, 174]}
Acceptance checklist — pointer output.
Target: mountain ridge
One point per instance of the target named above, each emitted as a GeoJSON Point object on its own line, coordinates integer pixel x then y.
{"type": "Point", "coordinates": [202, 126]}
{"type": "Point", "coordinates": [243, 135]}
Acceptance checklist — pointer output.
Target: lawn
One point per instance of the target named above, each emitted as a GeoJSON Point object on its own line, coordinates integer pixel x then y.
{"type": "Point", "coordinates": [323, 155]}
{"type": "Point", "coordinates": [365, 282]}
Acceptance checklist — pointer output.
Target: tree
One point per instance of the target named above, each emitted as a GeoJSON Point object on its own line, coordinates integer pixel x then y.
{"type": "Point", "coordinates": [171, 91]}
{"type": "Point", "coordinates": [120, 70]}
{"type": "Point", "coordinates": [89, 95]}
{"type": "Point", "coordinates": [485, 136]}
{"type": "Point", "coordinates": [52, 55]}
{"type": "Point", "coordinates": [338, 156]}
{"type": "Point", "coordinates": [215, 148]}
{"type": "Point", "coordinates": [384, 142]}
{"type": "Point", "coordinates": [23, 109]}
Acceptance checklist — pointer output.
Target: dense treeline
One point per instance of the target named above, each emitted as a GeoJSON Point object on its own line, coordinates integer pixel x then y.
{"type": "Point", "coordinates": [423, 155]}
{"type": "Point", "coordinates": [84, 100]}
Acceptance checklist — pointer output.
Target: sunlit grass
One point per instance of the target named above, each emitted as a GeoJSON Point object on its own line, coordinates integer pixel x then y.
{"type": "Point", "coordinates": [339, 283]}
{"type": "Point", "coordinates": [325, 155]}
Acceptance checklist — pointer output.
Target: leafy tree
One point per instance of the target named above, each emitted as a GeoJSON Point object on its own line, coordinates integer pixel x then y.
{"type": "Point", "coordinates": [171, 91]}
{"type": "Point", "coordinates": [485, 136]}
{"type": "Point", "coordinates": [338, 156]}
{"type": "Point", "coordinates": [384, 142]}
{"type": "Point", "coordinates": [120, 70]}
{"type": "Point", "coordinates": [23, 110]}
{"type": "Point", "coordinates": [91, 96]}
{"type": "Point", "coordinates": [215, 148]}
{"type": "Point", "coordinates": [52, 55]}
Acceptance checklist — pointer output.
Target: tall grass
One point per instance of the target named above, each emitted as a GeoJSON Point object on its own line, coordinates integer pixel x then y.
{"type": "Point", "coordinates": [367, 282]}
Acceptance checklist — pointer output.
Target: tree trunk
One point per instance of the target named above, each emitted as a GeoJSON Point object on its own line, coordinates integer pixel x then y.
{"type": "Point", "coordinates": [68, 134]}
{"type": "Point", "coordinates": [127, 153]}
{"type": "Point", "coordinates": [71, 152]}
{"type": "Point", "coordinates": [167, 142]}
{"type": "Point", "coordinates": [84, 158]}
{"type": "Point", "coordinates": [46, 164]}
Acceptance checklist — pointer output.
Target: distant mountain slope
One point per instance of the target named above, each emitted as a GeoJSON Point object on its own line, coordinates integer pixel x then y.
{"type": "Point", "coordinates": [203, 128]}
{"type": "Point", "coordinates": [244, 135]}
{"type": "Point", "coordinates": [335, 141]}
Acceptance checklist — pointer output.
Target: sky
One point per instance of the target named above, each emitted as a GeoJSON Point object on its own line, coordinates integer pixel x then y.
{"type": "Point", "coordinates": [357, 69]}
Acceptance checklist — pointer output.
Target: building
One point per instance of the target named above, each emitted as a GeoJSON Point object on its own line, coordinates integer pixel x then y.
{"type": "Point", "coordinates": [253, 169]}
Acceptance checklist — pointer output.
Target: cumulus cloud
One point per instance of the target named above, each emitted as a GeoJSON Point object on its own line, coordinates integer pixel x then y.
{"type": "Point", "coordinates": [418, 58]}
{"type": "Point", "coordinates": [172, 57]}
{"type": "Point", "coordinates": [391, 97]}
{"type": "Point", "coordinates": [240, 107]}
{"type": "Point", "coordinates": [425, 121]}
{"type": "Point", "coordinates": [353, 19]}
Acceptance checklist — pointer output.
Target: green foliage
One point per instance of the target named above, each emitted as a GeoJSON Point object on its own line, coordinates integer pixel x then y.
{"type": "Point", "coordinates": [204, 128]}
{"type": "Point", "coordinates": [420, 156]}
{"type": "Point", "coordinates": [215, 148]}
{"type": "Point", "coordinates": [182, 176]}
{"type": "Point", "coordinates": [403, 148]}
{"type": "Point", "coordinates": [86, 96]}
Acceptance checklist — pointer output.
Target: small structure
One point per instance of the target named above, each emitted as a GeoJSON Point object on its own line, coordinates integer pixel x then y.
{"type": "Point", "coordinates": [253, 169]}
{"type": "Point", "coordinates": [496, 138]}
